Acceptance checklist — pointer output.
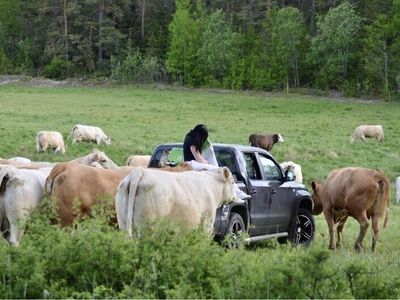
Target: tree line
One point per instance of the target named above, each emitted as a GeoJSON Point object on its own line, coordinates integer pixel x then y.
{"type": "Point", "coordinates": [351, 46]}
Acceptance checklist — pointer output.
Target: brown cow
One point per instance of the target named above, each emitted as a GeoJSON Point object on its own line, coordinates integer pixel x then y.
{"type": "Point", "coordinates": [265, 141]}
{"type": "Point", "coordinates": [356, 192]}
{"type": "Point", "coordinates": [71, 181]}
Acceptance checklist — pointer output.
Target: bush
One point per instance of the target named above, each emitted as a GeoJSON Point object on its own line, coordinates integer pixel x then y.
{"type": "Point", "coordinates": [58, 69]}
{"type": "Point", "coordinates": [135, 68]}
{"type": "Point", "coordinates": [94, 260]}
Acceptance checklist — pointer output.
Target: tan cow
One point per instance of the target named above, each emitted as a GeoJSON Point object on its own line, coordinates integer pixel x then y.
{"type": "Point", "coordinates": [138, 161]}
{"type": "Point", "coordinates": [50, 139]}
{"type": "Point", "coordinates": [146, 195]}
{"type": "Point", "coordinates": [367, 131]}
{"type": "Point", "coordinates": [71, 181]}
{"type": "Point", "coordinates": [357, 192]}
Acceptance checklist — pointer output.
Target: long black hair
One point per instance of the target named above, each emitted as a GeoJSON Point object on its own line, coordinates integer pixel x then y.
{"type": "Point", "coordinates": [197, 136]}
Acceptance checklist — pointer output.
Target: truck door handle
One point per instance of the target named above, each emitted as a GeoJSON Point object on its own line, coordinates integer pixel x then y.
{"type": "Point", "coordinates": [273, 192]}
{"type": "Point", "coordinates": [253, 191]}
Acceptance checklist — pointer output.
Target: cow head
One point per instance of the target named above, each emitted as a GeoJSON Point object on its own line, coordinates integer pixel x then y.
{"type": "Point", "coordinates": [229, 194]}
{"type": "Point", "coordinates": [279, 138]}
{"type": "Point", "coordinates": [107, 140]}
{"type": "Point", "coordinates": [316, 196]}
{"type": "Point", "coordinates": [101, 158]}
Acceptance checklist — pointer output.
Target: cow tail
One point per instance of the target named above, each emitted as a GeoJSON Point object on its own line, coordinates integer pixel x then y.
{"type": "Point", "coordinates": [5, 174]}
{"type": "Point", "coordinates": [121, 198]}
{"type": "Point", "coordinates": [384, 196]}
{"type": "Point", "coordinates": [38, 146]}
{"type": "Point", "coordinates": [135, 177]}
{"type": "Point", "coordinates": [57, 170]}
{"type": "Point", "coordinates": [72, 132]}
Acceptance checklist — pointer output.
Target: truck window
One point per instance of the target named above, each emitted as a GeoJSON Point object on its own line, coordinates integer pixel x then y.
{"type": "Point", "coordinates": [269, 169]}
{"type": "Point", "coordinates": [251, 166]}
{"type": "Point", "coordinates": [226, 159]}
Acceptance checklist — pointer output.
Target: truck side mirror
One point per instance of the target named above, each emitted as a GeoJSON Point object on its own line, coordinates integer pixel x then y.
{"type": "Point", "coordinates": [289, 175]}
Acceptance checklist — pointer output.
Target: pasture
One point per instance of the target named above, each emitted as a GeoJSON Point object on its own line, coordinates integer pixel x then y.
{"type": "Point", "coordinates": [93, 260]}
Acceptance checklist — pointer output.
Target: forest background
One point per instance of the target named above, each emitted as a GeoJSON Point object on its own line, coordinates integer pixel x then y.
{"type": "Point", "coordinates": [352, 47]}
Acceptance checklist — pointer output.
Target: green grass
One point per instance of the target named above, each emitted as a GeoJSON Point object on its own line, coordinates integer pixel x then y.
{"type": "Point", "coordinates": [316, 132]}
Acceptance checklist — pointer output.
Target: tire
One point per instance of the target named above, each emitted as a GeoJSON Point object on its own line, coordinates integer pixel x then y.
{"type": "Point", "coordinates": [302, 230]}
{"type": "Point", "coordinates": [236, 232]}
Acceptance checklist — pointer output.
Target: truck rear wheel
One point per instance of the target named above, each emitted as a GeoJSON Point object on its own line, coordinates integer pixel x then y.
{"type": "Point", "coordinates": [236, 229]}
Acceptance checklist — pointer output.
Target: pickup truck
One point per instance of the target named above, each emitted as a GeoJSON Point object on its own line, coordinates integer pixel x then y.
{"type": "Point", "coordinates": [279, 206]}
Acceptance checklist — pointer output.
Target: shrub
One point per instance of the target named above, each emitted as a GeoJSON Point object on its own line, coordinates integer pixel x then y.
{"type": "Point", "coordinates": [58, 69]}
{"type": "Point", "coordinates": [135, 68]}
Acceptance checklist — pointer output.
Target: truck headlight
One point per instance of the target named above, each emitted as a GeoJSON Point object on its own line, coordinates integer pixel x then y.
{"type": "Point", "coordinates": [225, 213]}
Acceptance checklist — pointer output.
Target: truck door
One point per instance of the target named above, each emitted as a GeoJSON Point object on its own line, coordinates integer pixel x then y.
{"type": "Point", "coordinates": [259, 202]}
{"type": "Point", "coordinates": [280, 202]}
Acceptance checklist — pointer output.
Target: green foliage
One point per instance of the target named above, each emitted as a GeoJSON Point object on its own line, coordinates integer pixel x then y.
{"type": "Point", "coordinates": [334, 48]}
{"type": "Point", "coordinates": [135, 68]}
{"type": "Point", "coordinates": [218, 50]}
{"type": "Point", "coordinates": [287, 45]}
{"type": "Point", "coordinates": [185, 32]}
{"type": "Point", "coordinates": [5, 64]}
{"type": "Point", "coordinates": [58, 69]}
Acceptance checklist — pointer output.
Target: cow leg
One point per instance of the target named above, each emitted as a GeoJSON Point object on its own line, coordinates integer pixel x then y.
{"type": "Point", "coordinates": [58, 149]}
{"type": "Point", "coordinates": [364, 224]}
{"type": "Point", "coordinates": [363, 138]}
{"type": "Point", "coordinates": [15, 234]}
{"type": "Point", "coordinates": [340, 228]}
{"type": "Point", "coordinates": [330, 220]}
{"type": "Point", "coordinates": [375, 231]}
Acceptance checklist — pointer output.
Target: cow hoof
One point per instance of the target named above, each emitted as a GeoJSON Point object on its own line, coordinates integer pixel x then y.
{"type": "Point", "coordinates": [358, 248]}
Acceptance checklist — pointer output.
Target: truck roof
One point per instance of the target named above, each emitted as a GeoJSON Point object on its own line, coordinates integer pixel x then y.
{"type": "Point", "coordinates": [246, 148]}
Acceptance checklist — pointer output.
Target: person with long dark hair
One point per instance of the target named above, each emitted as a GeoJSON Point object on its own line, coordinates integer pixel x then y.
{"type": "Point", "coordinates": [199, 153]}
{"type": "Point", "coordinates": [195, 143]}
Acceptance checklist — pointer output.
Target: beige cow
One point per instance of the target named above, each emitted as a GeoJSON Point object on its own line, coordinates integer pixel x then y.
{"type": "Point", "coordinates": [367, 131]}
{"type": "Point", "coordinates": [138, 161]}
{"type": "Point", "coordinates": [21, 193]}
{"type": "Point", "coordinates": [50, 139]}
{"type": "Point", "coordinates": [146, 195]}
{"type": "Point", "coordinates": [87, 133]}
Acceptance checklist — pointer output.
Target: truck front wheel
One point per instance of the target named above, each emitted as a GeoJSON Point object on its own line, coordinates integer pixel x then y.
{"type": "Point", "coordinates": [302, 229]}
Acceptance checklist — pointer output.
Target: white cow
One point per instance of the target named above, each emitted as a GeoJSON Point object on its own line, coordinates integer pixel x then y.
{"type": "Point", "coordinates": [367, 131]}
{"type": "Point", "coordinates": [50, 139]}
{"type": "Point", "coordinates": [295, 168]}
{"type": "Point", "coordinates": [138, 161]}
{"type": "Point", "coordinates": [22, 191]}
{"type": "Point", "coordinates": [97, 158]}
{"type": "Point", "coordinates": [398, 190]}
{"type": "Point", "coordinates": [19, 160]}
{"type": "Point", "coordinates": [146, 195]}
{"type": "Point", "coordinates": [89, 133]}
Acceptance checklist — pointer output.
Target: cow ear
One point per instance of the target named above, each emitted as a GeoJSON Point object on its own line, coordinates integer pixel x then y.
{"type": "Point", "coordinates": [314, 185]}
{"type": "Point", "coordinates": [227, 173]}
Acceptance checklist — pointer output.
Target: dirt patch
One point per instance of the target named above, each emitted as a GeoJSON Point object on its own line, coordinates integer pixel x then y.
{"type": "Point", "coordinates": [38, 82]}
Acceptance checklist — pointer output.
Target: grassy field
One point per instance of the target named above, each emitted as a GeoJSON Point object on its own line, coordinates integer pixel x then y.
{"type": "Point", "coordinates": [316, 132]}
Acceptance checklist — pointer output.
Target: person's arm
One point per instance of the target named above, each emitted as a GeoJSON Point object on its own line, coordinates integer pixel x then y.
{"type": "Point", "coordinates": [197, 155]}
